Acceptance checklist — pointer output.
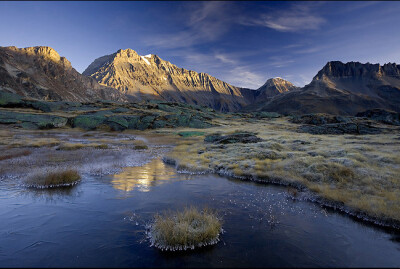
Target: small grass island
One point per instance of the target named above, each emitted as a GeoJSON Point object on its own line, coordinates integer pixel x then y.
{"type": "Point", "coordinates": [187, 229]}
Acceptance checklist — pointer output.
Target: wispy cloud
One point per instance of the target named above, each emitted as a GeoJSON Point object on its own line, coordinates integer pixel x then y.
{"type": "Point", "coordinates": [297, 17]}
{"type": "Point", "coordinates": [224, 58]}
{"type": "Point", "coordinates": [203, 23]}
{"type": "Point", "coordinates": [242, 76]}
{"type": "Point", "coordinates": [227, 67]}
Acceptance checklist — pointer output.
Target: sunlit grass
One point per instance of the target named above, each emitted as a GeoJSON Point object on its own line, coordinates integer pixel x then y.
{"type": "Point", "coordinates": [358, 171]}
{"type": "Point", "coordinates": [54, 179]}
{"type": "Point", "coordinates": [185, 229]}
{"type": "Point", "coordinates": [76, 146]}
{"type": "Point", "coordinates": [14, 155]}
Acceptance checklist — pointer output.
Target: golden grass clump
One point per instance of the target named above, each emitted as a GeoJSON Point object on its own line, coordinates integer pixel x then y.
{"type": "Point", "coordinates": [187, 229]}
{"type": "Point", "coordinates": [54, 179]}
{"type": "Point", "coordinates": [139, 144]}
{"type": "Point", "coordinates": [76, 146]}
{"type": "Point", "coordinates": [15, 155]}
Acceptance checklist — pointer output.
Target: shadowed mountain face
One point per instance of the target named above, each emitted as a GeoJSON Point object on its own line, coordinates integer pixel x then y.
{"type": "Point", "coordinates": [150, 77]}
{"type": "Point", "coordinates": [343, 89]}
{"type": "Point", "coordinates": [40, 73]}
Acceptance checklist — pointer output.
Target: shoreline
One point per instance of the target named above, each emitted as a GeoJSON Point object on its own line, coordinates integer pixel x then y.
{"type": "Point", "coordinates": [310, 196]}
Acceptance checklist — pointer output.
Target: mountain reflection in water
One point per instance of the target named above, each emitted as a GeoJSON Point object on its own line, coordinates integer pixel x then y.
{"type": "Point", "coordinates": [142, 178]}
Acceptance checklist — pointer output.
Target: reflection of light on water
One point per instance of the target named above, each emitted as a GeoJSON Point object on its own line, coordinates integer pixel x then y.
{"type": "Point", "coordinates": [143, 177]}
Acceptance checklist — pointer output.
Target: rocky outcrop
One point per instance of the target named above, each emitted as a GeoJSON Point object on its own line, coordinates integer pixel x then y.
{"type": "Point", "coordinates": [102, 115]}
{"type": "Point", "coordinates": [343, 89]}
{"type": "Point", "coordinates": [242, 137]}
{"type": "Point", "coordinates": [150, 77]}
{"type": "Point", "coordinates": [381, 115]}
{"type": "Point", "coordinates": [40, 73]}
{"type": "Point", "coordinates": [329, 124]}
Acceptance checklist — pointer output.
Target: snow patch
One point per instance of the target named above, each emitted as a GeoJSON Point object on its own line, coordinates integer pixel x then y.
{"type": "Point", "coordinates": [147, 56]}
{"type": "Point", "coordinates": [144, 59]}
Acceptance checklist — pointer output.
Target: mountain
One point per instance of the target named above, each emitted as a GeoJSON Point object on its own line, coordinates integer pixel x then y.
{"type": "Point", "coordinates": [40, 73]}
{"type": "Point", "coordinates": [343, 89]}
{"type": "Point", "coordinates": [273, 87]}
{"type": "Point", "coordinates": [150, 77]}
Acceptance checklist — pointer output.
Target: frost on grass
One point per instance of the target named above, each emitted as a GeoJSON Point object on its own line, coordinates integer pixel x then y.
{"type": "Point", "coordinates": [54, 179]}
{"type": "Point", "coordinates": [184, 230]}
{"type": "Point", "coordinates": [355, 172]}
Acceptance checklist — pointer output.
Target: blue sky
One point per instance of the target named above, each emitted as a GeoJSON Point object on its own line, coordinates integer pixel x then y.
{"type": "Point", "coordinates": [242, 43]}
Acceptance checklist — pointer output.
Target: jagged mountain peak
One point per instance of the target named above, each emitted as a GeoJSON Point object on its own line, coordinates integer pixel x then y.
{"type": "Point", "coordinates": [149, 76]}
{"type": "Point", "coordinates": [39, 72]}
{"type": "Point", "coordinates": [45, 52]}
{"type": "Point", "coordinates": [338, 69]}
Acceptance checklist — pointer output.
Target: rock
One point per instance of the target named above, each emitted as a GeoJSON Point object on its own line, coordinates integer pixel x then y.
{"type": "Point", "coordinates": [190, 133]}
{"type": "Point", "coordinates": [32, 121]}
{"type": "Point", "coordinates": [159, 123]}
{"type": "Point", "coordinates": [133, 121]}
{"type": "Point", "coordinates": [146, 122]}
{"type": "Point", "coordinates": [88, 122]}
{"type": "Point", "coordinates": [8, 99]}
{"type": "Point", "coordinates": [264, 114]}
{"type": "Point", "coordinates": [341, 128]}
{"type": "Point", "coordinates": [44, 106]}
{"type": "Point", "coordinates": [381, 115]}
{"type": "Point", "coordinates": [233, 138]}
{"type": "Point", "coordinates": [117, 123]}
{"type": "Point", "coordinates": [197, 122]}
{"type": "Point", "coordinates": [120, 110]}
{"type": "Point", "coordinates": [319, 119]}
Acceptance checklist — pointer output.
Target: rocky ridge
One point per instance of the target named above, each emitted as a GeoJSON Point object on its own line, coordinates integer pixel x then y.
{"type": "Point", "coordinates": [40, 73]}
{"type": "Point", "coordinates": [150, 77]}
{"type": "Point", "coordinates": [342, 89]}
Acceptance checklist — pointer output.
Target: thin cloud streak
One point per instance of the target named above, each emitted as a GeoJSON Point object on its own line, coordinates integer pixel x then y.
{"type": "Point", "coordinates": [296, 18]}
{"type": "Point", "coordinates": [205, 24]}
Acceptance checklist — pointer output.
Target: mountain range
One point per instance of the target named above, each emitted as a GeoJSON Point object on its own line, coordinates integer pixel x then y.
{"type": "Point", "coordinates": [125, 76]}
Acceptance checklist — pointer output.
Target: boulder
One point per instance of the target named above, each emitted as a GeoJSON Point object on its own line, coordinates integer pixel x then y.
{"type": "Point", "coordinates": [341, 128]}
{"type": "Point", "coordinates": [244, 137]}
{"type": "Point", "coordinates": [32, 121]}
{"type": "Point", "coordinates": [381, 115]}
{"type": "Point", "coordinates": [88, 122]}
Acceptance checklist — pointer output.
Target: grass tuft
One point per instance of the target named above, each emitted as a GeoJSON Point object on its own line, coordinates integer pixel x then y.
{"type": "Point", "coordinates": [15, 155]}
{"type": "Point", "coordinates": [140, 144]}
{"type": "Point", "coordinates": [187, 229]}
{"type": "Point", "coordinates": [60, 178]}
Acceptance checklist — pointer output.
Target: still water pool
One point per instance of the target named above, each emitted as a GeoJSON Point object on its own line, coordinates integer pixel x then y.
{"type": "Point", "coordinates": [101, 223]}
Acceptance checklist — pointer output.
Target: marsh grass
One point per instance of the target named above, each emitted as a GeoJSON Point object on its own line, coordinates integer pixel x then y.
{"type": "Point", "coordinates": [76, 146]}
{"type": "Point", "coordinates": [185, 229]}
{"type": "Point", "coordinates": [361, 172]}
{"type": "Point", "coordinates": [15, 155]}
{"type": "Point", "coordinates": [139, 144]}
{"type": "Point", "coordinates": [61, 178]}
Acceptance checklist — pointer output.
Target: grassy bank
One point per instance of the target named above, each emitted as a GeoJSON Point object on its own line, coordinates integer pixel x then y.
{"type": "Point", "coordinates": [360, 172]}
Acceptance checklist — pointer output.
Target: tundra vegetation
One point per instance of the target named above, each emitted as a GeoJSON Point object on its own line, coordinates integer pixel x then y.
{"type": "Point", "coordinates": [352, 162]}
{"type": "Point", "coordinates": [187, 229]}
{"type": "Point", "coordinates": [53, 179]}
{"type": "Point", "coordinates": [358, 173]}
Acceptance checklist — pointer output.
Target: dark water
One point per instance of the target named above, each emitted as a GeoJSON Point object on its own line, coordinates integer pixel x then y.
{"type": "Point", "coordinates": [101, 222]}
